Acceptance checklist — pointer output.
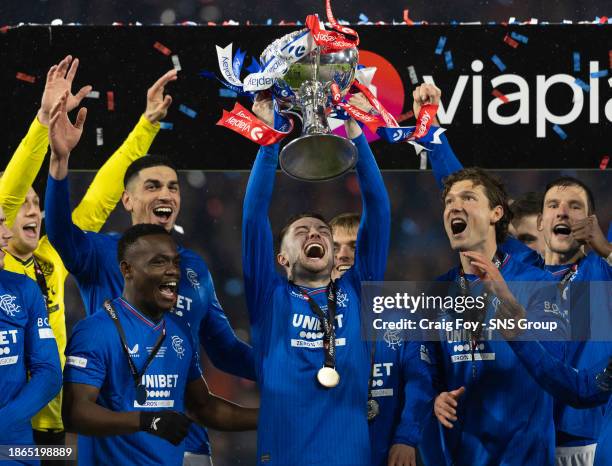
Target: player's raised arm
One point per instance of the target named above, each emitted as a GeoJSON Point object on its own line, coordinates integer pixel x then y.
{"type": "Point", "coordinates": [25, 163]}
{"type": "Point", "coordinates": [257, 241]}
{"type": "Point", "coordinates": [106, 188]}
{"type": "Point", "coordinates": [67, 238]}
{"type": "Point", "coordinates": [443, 160]}
{"type": "Point", "coordinates": [374, 230]}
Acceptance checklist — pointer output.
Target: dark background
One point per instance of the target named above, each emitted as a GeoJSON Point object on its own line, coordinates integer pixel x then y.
{"type": "Point", "coordinates": [123, 60]}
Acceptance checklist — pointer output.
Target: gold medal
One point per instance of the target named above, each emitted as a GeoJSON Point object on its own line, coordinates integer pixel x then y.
{"type": "Point", "coordinates": [328, 377]}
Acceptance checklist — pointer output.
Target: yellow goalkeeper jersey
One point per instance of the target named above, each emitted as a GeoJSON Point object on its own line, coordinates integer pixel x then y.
{"type": "Point", "coordinates": [91, 214]}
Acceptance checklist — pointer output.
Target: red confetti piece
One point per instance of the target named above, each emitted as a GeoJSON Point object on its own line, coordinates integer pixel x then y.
{"type": "Point", "coordinates": [500, 96]}
{"type": "Point", "coordinates": [604, 162]}
{"type": "Point", "coordinates": [162, 48]}
{"type": "Point", "coordinates": [510, 41]}
{"type": "Point", "coordinates": [405, 116]}
{"type": "Point", "coordinates": [407, 19]}
{"type": "Point", "coordinates": [110, 101]}
{"type": "Point", "coordinates": [26, 77]}
{"type": "Point", "coordinates": [603, 20]}
{"type": "Point", "coordinates": [4, 29]}
{"type": "Point", "coordinates": [610, 58]}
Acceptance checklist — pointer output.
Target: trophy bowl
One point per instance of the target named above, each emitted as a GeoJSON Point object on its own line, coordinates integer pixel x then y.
{"type": "Point", "coordinates": [317, 154]}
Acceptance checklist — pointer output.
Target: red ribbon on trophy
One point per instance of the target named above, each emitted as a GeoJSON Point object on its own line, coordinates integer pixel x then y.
{"type": "Point", "coordinates": [243, 122]}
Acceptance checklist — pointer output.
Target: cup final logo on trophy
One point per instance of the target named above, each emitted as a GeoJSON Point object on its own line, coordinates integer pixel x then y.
{"type": "Point", "coordinates": [311, 74]}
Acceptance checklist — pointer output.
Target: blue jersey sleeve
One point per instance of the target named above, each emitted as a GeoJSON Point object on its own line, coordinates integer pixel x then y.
{"type": "Point", "coordinates": [575, 387]}
{"type": "Point", "coordinates": [41, 361]}
{"type": "Point", "coordinates": [195, 370]}
{"type": "Point", "coordinates": [257, 241]}
{"type": "Point", "coordinates": [443, 160]}
{"type": "Point", "coordinates": [419, 393]}
{"type": "Point", "coordinates": [74, 246]}
{"type": "Point", "coordinates": [373, 236]}
{"type": "Point", "coordinates": [226, 351]}
{"type": "Point", "coordinates": [610, 232]}
{"type": "Point", "coordinates": [86, 354]}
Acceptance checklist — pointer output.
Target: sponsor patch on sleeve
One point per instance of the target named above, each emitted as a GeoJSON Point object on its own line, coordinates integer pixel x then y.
{"type": "Point", "coordinates": [76, 361]}
{"type": "Point", "coordinates": [45, 333]}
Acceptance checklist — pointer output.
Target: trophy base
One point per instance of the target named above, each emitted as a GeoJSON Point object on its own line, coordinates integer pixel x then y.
{"type": "Point", "coordinates": [318, 157]}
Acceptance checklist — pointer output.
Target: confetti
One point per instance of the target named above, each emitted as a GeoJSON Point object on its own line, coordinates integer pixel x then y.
{"type": "Point", "coordinates": [179, 229]}
{"type": "Point", "coordinates": [585, 87]}
{"type": "Point", "coordinates": [610, 58]}
{"type": "Point", "coordinates": [440, 46]}
{"type": "Point", "coordinates": [599, 74]}
{"type": "Point", "coordinates": [99, 137]}
{"type": "Point", "coordinates": [407, 19]}
{"type": "Point", "coordinates": [604, 162]}
{"type": "Point", "coordinates": [166, 125]}
{"type": "Point", "coordinates": [93, 95]}
{"type": "Point", "coordinates": [176, 63]}
{"type": "Point", "coordinates": [557, 129]}
{"type": "Point", "coordinates": [500, 96]}
{"type": "Point", "coordinates": [413, 75]}
{"type": "Point", "coordinates": [576, 62]}
{"type": "Point", "coordinates": [519, 37]}
{"type": "Point", "coordinates": [110, 101]}
{"type": "Point", "coordinates": [162, 48]}
{"type": "Point", "coordinates": [610, 82]}
{"type": "Point", "coordinates": [533, 21]}
{"type": "Point", "coordinates": [227, 93]}
{"type": "Point", "coordinates": [363, 18]}
{"type": "Point", "coordinates": [510, 41]}
{"type": "Point", "coordinates": [26, 77]}
{"type": "Point", "coordinates": [603, 20]}
{"type": "Point", "coordinates": [500, 64]}
{"type": "Point", "coordinates": [187, 111]}
{"type": "Point", "coordinates": [448, 58]}
{"type": "Point", "coordinates": [423, 162]}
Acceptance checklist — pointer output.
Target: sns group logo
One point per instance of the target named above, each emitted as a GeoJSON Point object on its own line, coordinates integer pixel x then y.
{"type": "Point", "coordinates": [7, 304]}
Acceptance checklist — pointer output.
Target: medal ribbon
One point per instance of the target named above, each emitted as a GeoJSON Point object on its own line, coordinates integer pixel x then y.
{"type": "Point", "coordinates": [464, 284]}
{"type": "Point", "coordinates": [327, 322]}
{"type": "Point", "coordinates": [110, 310]}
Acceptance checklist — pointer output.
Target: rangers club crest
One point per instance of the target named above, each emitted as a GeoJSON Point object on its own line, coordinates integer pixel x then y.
{"type": "Point", "coordinates": [7, 304]}
{"type": "Point", "coordinates": [177, 346]}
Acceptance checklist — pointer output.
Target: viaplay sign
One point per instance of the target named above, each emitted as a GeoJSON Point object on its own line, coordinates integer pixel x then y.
{"type": "Point", "coordinates": [513, 97]}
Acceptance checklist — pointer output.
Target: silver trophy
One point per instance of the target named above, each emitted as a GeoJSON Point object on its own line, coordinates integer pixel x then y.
{"type": "Point", "coordinates": [317, 154]}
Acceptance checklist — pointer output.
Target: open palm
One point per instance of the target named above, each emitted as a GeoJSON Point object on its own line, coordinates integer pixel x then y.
{"type": "Point", "coordinates": [63, 135]}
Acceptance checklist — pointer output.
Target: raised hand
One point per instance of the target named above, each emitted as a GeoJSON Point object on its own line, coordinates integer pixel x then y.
{"type": "Point", "coordinates": [63, 136]}
{"type": "Point", "coordinates": [425, 94]}
{"type": "Point", "coordinates": [263, 108]}
{"type": "Point", "coordinates": [587, 231]}
{"type": "Point", "coordinates": [157, 103]}
{"type": "Point", "coordinates": [59, 81]}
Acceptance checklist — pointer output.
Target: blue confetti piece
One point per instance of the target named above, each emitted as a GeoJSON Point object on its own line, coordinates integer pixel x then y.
{"type": "Point", "coordinates": [363, 18]}
{"type": "Point", "coordinates": [560, 132]}
{"type": "Point", "coordinates": [500, 64]}
{"type": "Point", "coordinates": [165, 125]}
{"type": "Point", "coordinates": [227, 93]}
{"type": "Point", "coordinates": [187, 111]}
{"type": "Point", "coordinates": [448, 57]}
{"type": "Point", "coordinates": [441, 44]}
{"type": "Point", "coordinates": [599, 74]}
{"type": "Point", "coordinates": [519, 37]}
{"type": "Point", "coordinates": [269, 22]}
{"type": "Point", "coordinates": [576, 62]}
{"type": "Point", "coordinates": [585, 87]}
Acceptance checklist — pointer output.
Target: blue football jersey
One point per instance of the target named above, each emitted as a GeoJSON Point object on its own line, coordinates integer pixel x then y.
{"type": "Point", "coordinates": [92, 259]}
{"type": "Point", "coordinates": [30, 372]}
{"type": "Point", "coordinates": [300, 421]}
{"type": "Point", "coordinates": [95, 356]}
